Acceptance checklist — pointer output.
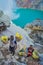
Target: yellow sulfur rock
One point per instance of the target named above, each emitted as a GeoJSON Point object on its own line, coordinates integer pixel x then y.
{"type": "Point", "coordinates": [4, 39]}
{"type": "Point", "coordinates": [18, 36]}
{"type": "Point", "coordinates": [35, 55]}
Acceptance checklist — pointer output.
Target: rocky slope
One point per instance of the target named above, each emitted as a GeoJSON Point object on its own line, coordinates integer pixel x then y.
{"type": "Point", "coordinates": [6, 57]}
{"type": "Point", "coordinates": [36, 32]}
{"type": "Point", "coordinates": [35, 4]}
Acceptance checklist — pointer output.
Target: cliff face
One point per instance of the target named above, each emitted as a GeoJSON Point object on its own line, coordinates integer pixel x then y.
{"type": "Point", "coordinates": [36, 33]}
{"type": "Point", "coordinates": [38, 22]}
{"type": "Point", "coordinates": [35, 4]}
{"type": "Point", "coordinates": [4, 18]}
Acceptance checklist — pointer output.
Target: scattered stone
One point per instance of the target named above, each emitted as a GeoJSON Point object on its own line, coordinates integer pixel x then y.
{"type": "Point", "coordinates": [33, 63]}
{"type": "Point", "coordinates": [5, 52]}
{"type": "Point", "coordinates": [12, 63]}
{"type": "Point", "coordinates": [1, 55]}
{"type": "Point", "coordinates": [3, 63]}
{"type": "Point", "coordinates": [16, 57]}
{"type": "Point", "coordinates": [22, 59]}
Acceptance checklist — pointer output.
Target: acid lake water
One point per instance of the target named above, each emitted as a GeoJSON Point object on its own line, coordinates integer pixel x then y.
{"type": "Point", "coordinates": [26, 16]}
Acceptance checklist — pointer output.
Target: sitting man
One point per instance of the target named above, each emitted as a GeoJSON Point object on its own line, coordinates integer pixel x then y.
{"type": "Point", "coordinates": [30, 50]}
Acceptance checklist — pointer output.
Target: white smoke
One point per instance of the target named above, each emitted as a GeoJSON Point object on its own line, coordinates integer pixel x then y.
{"type": "Point", "coordinates": [7, 6]}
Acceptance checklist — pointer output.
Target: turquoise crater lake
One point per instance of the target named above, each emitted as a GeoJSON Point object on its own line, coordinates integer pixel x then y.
{"type": "Point", "coordinates": [27, 16]}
